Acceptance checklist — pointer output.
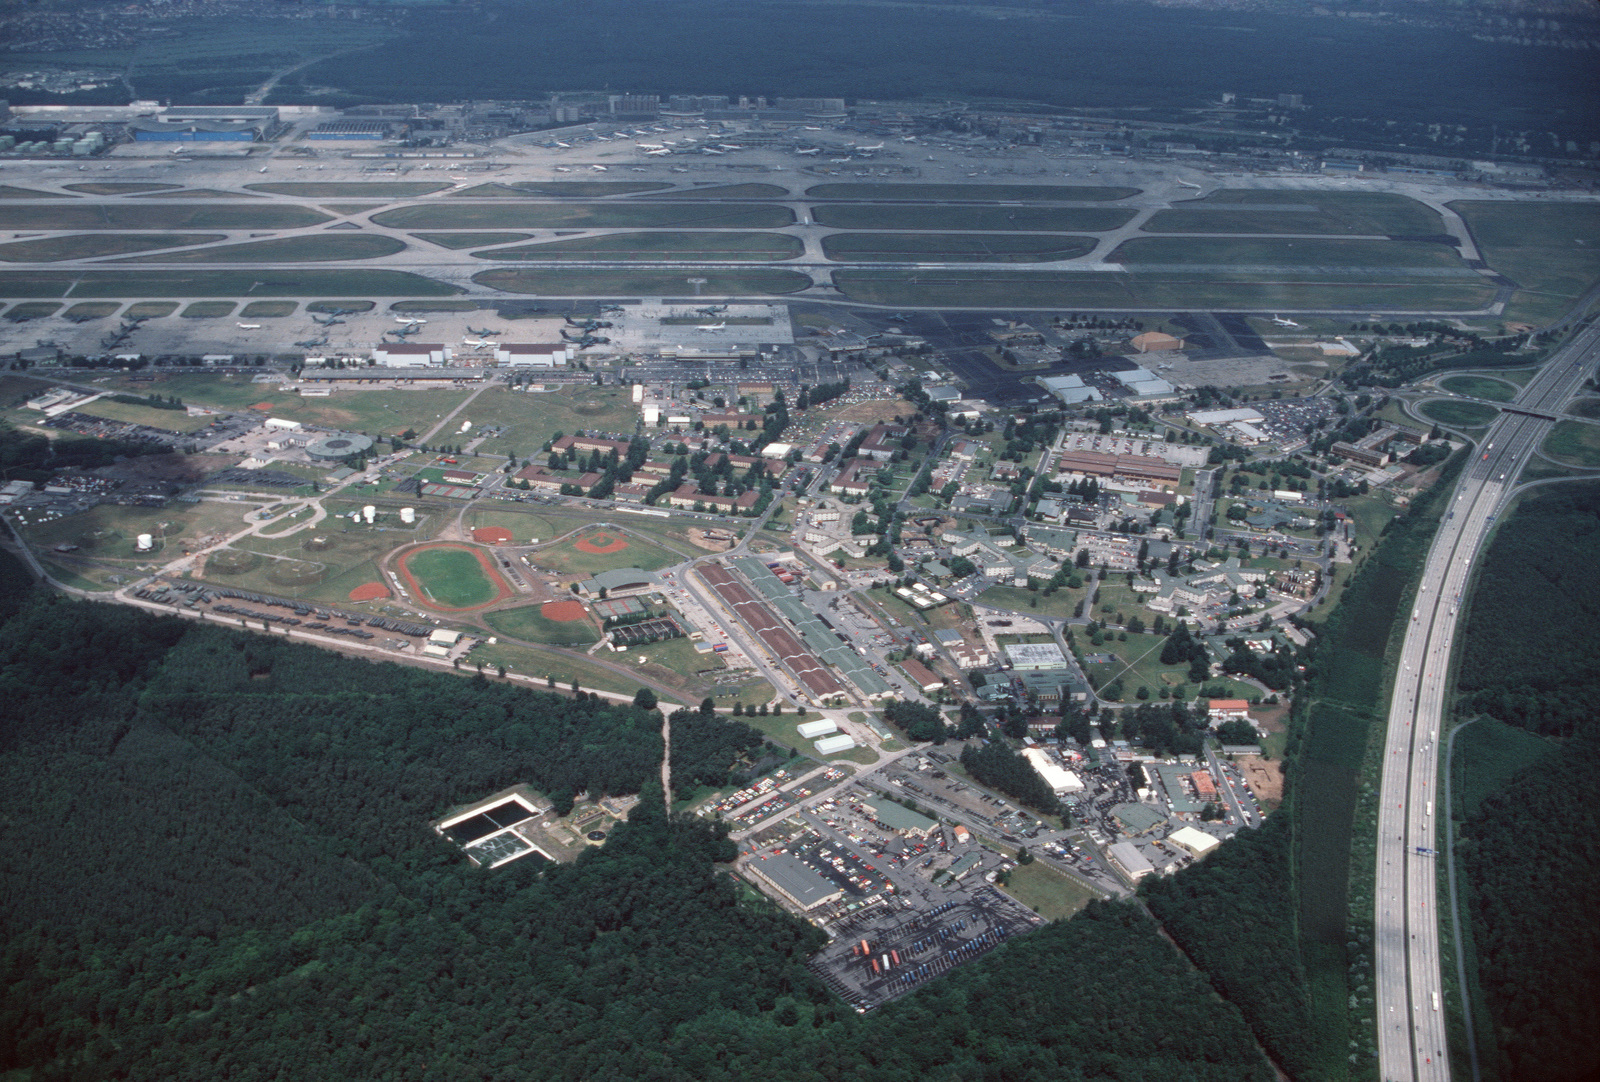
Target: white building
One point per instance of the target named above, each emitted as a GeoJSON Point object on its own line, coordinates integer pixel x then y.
{"type": "Point", "coordinates": [411, 355]}
{"type": "Point", "coordinates": [811, 730]}
{"type": "Point", "coordinates": [1063, 781]}
{"type": "Point", "coordinates": [282, 425]}
{"type": "Point", "coordinates": [1130, 860]}
{"type": "Point", "coordinates": [533, 355]}
{"type": "Point", "coordinates": [1197, 842]}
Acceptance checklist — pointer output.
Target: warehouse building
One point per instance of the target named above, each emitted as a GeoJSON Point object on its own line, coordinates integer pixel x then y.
{"type": "Point", "coordinates": [795, 881]}
{"type": "Point", "coordinates": [833, 745]}
{"type": "Point", "coordinates": [811, 730]}
{"type": "Point", "coordinates": [1126, 855]}
{"type": "Point", "coordinates": [1070, 389]}
{"type": "Point", "coordinates": [899, 818]}
{"type": "Point", "coordinates": [1035, 655]}
{"type": "Point", "coordinates": [411, 355]}
{"type": "Point", "coordinates": [350, 129]}
{"type": "Point", "coordinates": [1196, 842]}
{"type": "Point", "coordinates": [530, 354]}
{"type": "Point", "coordinates": [1055, 776]}
{"type": "Point", "coordinates": [208, 124]}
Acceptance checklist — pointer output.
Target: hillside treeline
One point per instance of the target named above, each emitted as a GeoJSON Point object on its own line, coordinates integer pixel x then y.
{"type": "Point", "coordinates": [217, 865]}
{"type": "Point", "coordinates": [1531, 852]}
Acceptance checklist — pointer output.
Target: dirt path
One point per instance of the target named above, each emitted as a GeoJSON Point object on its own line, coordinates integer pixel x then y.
{"type": "Point", "coordinates": [666, 760]}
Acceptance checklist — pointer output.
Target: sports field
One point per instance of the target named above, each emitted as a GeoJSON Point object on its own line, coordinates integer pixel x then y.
{"type": "Point", "coordinates": [603, 548]}
{"type": "Point", "coordinates": [977, 193]}
{"type": "Point", "coordinates": [999, 219]}
{"type": "Point", "coordinates": [324, 247]}
{"type": "Point", "coordinates": [955, 247]}
{"type": "Point", "coordinates": [554, 282]}
{"type": "Point", "coordinates": [452, 577]}
{"type": "Point", "coordinates": [548, 622]}
{"type": "Point", "coordinates": [572, 216]}
{"type": "Point", "coordinates": [90, 245]}
{"type": "Point", "coordinates": [660, 246]}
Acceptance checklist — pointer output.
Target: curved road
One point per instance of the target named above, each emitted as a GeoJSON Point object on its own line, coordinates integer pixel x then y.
{"type": "Point", "coordinates": [1412, 1019]}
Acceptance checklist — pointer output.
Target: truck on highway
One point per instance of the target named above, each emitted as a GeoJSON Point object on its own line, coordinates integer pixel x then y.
{"type": "Point", "coordinates": [1436, 1001]}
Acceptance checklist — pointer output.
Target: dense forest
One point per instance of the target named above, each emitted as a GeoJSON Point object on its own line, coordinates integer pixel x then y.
{"type": "Point", "coordinates": [218, 866]}
{"type": "Point", "coordinates": [1531, 852]}
{"type": "Point", "coordinates": [1092, 55]}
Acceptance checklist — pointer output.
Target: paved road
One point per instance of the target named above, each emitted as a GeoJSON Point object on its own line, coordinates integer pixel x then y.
{"type": "Point", "coordinates": [1412, 1043]}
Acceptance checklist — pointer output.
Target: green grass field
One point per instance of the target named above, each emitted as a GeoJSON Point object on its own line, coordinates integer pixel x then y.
{"type": "Point", "coordinates": [268, 309]}
{"type": "Point", "coordinates": [91, 245]}
{"type": "Point", "coordinates": [389, 411]}
{"type": "Point", "coordinates": [1368, 213]}
{"type": "Point", "coordinates": [157, 216]}
{"type": "Point", "coordinates": [1459, 414]}
{"type": "Point", "coordinates": [525, 525]}
{"type": "Point", "coordinates": [1046, 891]}
{"type": "Point", "coordinates": [533, 417]}
{"type": "Point", "coordinates": [955, 247]}
{"type": "Point", "coordinates": [729, 191]}
{"type": "Point", "coordinates": [1052, 193]}
{"type": "Point", "coordinates": [997, 219]}
{"type": "Point", "coordinates": [572, 216]}
{"type": "Point", "coordinates": [605, 283]}
{"type": "Point", "coordinates": [151, 309]}
{"type": "Point", "coordinates": [208, 310]}
{"type": "Point", "coordinates": [529, 624]}
{"type": "Point", "coordinates": [1020, 599]}
{"type": "Point", "coordinates": [1152, 290]}
{"type": "Point", "coordinates": [1549, 249]}
{"type": "Point", "coordinates": [1138, 663]}
{"type": "Point", "coordinates": [173, 420]}
{"type": "Point", "coordinates": [91, 310]}
{"type": "Point", "coordinates": [1585, 407]}
{"type": "Point", "coordinates": [451, 577]}
{"type": "Point", "coordinates": [1488, 752]}
{"type": "Point", "coordinates": [1480, 387]}
{"type": "Point", "coordinates": [33, 310]}
{"type": "Point", "coordinates": [348, 189]}
{"type": "Point", "coordinates": [659, 246]}
{"type": "Point", "coordinates": [568, 559]}
{"type": "Point", "coordinates": [259, 282]}
{"type": "Point", "coordinates": [119, 187]}
{"type": "Point", "coordinates": [470, 240]}
{"type": "Point", "coordinates": [198, 193]}
{"type": "Point", "coordinates": [1298, 252]}
{"type": "Point", "coordinates": [325, 247]}
{"type": "Point", "coordinates": [1575, 443]}
{"type": "Point", "coordinates": [582, 189]}
{"type": "Point", "coordinates": [11, 191]}
{"type": "Point", "coordinates": [109, 531]}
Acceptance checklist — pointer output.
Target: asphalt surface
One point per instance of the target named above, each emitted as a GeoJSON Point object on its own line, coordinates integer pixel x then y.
{"type": "Point", "coordinates": [1412, 1019]}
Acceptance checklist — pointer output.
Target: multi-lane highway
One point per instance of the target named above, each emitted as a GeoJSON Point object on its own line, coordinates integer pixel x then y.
{"type": "Point", "coordinates": [1411, 1014]}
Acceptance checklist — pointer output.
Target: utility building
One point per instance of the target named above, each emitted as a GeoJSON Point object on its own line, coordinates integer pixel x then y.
{"type": "Point", "coordinates": [795, 881]}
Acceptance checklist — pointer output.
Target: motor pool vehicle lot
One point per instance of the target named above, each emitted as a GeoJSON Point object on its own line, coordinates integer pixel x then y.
{"type": "Point", "coordinates": [906, 948]}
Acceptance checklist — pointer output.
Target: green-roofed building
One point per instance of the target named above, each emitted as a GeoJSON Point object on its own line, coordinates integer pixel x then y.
{"type": "Point", "coordinates": [1137, 819]}
{"type": "Point", "coordinates": [901, 819]}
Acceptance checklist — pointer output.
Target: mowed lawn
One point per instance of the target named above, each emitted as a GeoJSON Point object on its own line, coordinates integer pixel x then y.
{"type": "Point", "coordinates": [452, 577]}
{"type": "Point", "coordinates": [1249, 210]}
{"type": "Point", "coordinates": [659, 246]}
{"type": "Point", "coordinates": [1549, 249]}
{"type": "Point", "coordinates": [529, 623]}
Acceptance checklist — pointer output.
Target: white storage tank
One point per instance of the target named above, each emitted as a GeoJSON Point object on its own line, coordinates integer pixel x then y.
{"type": "Point", "coordinates": [369, 513]}
{"type": "Point", "coordinates": [144, 543]}
{"type": "Point", "coordinates": [810, 730]}
{"type": "Point", "coordinates": [408, 515]}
